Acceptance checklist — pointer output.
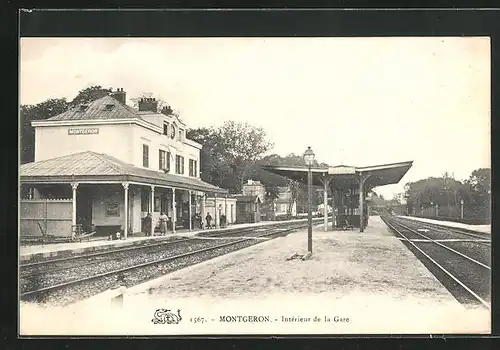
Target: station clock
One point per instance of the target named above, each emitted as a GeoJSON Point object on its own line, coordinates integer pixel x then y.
{"type": "Point", "coordinates": [173, 132]}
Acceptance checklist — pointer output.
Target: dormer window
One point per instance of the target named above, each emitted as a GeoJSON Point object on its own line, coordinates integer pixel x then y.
{"type": "Point", "coordinates": [181, 132]}
{"type": "Point", "coordinates": [109, 107]}
{"type": "Point", "coordinates": [165, 128]}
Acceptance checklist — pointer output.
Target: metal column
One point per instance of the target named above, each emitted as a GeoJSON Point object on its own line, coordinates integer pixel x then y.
{"type": "Point", "coordinates": [362, 180]}
{"type": "Point", "coordinates": [309, 211]}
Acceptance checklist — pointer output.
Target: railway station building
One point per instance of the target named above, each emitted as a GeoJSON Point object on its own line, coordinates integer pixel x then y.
{"type": "Point", "coordinates": [107, 165]}
{"type": "Point", "coordinates": [349, 186]}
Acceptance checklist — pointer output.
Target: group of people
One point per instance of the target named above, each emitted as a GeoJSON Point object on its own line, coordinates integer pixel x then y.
{"type": "Point", "coordinates": [166, 222]}
{"type": "Point", "coordinates": [208, 220]}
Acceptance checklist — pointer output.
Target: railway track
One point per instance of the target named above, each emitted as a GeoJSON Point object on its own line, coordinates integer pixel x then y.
{"type": "Point", "coordinates": [51, 285]}
{"type": "Point", "coordinates": [463, 266]}
{"type": "Point", "coordinates": [46, 266]}
{"type": "Point", "coordinates": [486, 238]}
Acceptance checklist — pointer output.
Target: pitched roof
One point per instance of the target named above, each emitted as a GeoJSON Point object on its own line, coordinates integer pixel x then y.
{"type": "Point", "coordinates": [283, 201]}
{"type": "Point", "coordinates": [106, 107]}
{"type": "Point", "coordinates": [86, 165]}
{"type": "Point", "coordinates": [243, 198]}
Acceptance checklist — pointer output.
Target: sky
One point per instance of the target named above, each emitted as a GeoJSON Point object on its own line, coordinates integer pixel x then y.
{"type": "Point", "coordinates": [355, 101]}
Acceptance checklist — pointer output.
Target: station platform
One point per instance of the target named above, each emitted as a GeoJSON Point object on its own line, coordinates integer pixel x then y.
{"type": "Point", "coordinates": [354, 283]}
{"type": "Point", "coordinates": [477, 228]}
{"type": "Point", "coordinates": [30, 252]}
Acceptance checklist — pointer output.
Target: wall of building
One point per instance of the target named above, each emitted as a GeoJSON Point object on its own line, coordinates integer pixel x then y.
{"type": "Point", "coordinates": [156, 142]}
{"type": "Point", "coordinates": [55, 141]}
{"type": "Point", "coordinates": [99, 200]}
{"type": "Point", "coordinates": [123, 141]}
{"type": "Point", "coordinates": [254, 188]}
{"type": "Point", "coordinates": [282, 208]}
{"type": "Point", "coordinates": [228, 208]}
{"type": "Point", "coordinates": [247, 212]}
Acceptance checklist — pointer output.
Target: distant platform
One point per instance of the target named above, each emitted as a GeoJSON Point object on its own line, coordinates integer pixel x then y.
{"type": "Point", "coordinates": [477, 228]}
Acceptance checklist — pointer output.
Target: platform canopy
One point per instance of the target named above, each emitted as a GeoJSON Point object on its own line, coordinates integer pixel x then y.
{"type": "Point", "coordinates": [345, 175]}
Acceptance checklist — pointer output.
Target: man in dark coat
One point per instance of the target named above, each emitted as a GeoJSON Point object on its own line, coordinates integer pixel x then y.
{"type": "Point", "coordinates": [208, 218]}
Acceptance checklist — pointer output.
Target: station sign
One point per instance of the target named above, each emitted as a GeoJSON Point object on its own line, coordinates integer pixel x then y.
{"type": "Point", "coordinates": [340, 170]}
{"type": "Point", "coordinates": [83, 131]}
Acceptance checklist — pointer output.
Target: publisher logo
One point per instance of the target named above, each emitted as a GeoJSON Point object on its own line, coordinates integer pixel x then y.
{"type": "Point", "coordinates": [162, 316]}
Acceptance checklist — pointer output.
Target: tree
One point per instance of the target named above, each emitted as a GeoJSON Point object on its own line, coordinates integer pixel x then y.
{"type": "Point", "coordinates": [480, 180]}
{"type": "Point", "coordinates": [212, 167]}
{"type": "Point", "coordinates": [163, 106]}
{"type": "Point", "coordinates": [241, 144]}
{"type": "Point", "coordinates": [272, 182]}
{"type": "Point", "coordinates": [446, 192]}
{"type": "Point", "coordinates": [29, 113]}
{"type": "Point", "coordinates": [479, 186]}
{"type": "Point", "coordinates": [47, 109]}
{"type": "Point", "coordinates": [89, 94]}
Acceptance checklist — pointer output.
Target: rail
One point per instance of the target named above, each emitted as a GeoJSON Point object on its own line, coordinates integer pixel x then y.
{"type": "Point", "coordinates": [392, 223]}
{"type": "Point", "coordinates": [35, 293]}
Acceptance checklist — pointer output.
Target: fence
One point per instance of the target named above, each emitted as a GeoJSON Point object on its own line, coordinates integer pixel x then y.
{"type": "Point", "coordinates": [46, 217]}
{"type": "Point", "coordinates": [472, 216]}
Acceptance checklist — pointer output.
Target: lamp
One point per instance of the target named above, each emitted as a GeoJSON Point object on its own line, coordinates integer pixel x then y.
{"type": "Point", "coordinates": [309, 157]}
{"type": "Point", "coordinates": [309, 160]}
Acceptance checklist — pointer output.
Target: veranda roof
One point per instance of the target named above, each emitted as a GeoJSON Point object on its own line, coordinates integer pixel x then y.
{"type": "Point", "coordinates": [102, 168]}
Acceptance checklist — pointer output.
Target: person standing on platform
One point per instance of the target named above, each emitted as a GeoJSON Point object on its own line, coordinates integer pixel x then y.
{"type": "Point", "coordinates": [163, 224]}
{"type": "Point", "coordinates": [208, 218]}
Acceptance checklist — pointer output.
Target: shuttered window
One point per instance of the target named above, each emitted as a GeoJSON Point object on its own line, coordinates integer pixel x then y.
{"type": "Point", "coordinates": [179, 165]}
{"type": "Point", "coordinates": [168, 161]}
{"type": "Point", "coordinates": [145, 156]}
{"type": "Point", "coordinates": [161, 159]}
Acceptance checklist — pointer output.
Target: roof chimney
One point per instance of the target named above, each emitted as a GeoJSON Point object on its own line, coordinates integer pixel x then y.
{"type": "Point", "coordinates": [119, 95]}
{"type": "Point", "coordinates": [148, 104]}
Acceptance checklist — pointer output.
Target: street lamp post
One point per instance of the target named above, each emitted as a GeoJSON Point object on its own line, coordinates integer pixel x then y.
{"type": "Point", "coordinates": [309, 159]}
